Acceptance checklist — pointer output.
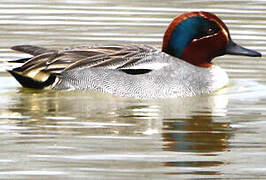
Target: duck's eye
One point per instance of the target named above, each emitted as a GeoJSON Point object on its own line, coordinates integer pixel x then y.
{"type": "Point", "coordinates": [207, 29]}
{"type": "Point", "coordinates": [210, 31]}
{"type": "Point", "coordinates": [212, 28]}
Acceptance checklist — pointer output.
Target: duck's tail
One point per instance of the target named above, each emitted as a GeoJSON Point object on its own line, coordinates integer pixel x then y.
{"type": "Point", "coordinates": [35, 77]}
{"type": "Point", "coordinates": [36, 83]}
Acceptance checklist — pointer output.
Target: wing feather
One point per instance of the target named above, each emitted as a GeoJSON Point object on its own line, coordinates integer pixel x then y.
{"type": "Point", "coordinates": [33, 50]}
{"type": "Point", "coordinates": [50, 61]}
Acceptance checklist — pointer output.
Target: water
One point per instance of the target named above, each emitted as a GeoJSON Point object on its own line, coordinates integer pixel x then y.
{"type": "Point", "coordinates": [80, 135]}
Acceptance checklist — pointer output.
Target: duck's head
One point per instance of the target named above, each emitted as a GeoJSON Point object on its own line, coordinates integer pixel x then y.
{"type": "Point", "coordinates": [198, 37]}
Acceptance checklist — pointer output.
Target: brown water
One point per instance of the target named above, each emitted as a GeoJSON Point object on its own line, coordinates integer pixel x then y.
{"type": "Point", "coordinates": [80, 135]}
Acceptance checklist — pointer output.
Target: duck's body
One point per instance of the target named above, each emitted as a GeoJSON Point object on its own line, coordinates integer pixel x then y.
{"type": "Point", "coordinates": [137, 70]}
{"type": "Point", "coordinates": [156, 75]}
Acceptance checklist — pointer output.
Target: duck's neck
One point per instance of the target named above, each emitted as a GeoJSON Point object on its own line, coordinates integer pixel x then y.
{"type": "Point", "coordinates": [192, 55]}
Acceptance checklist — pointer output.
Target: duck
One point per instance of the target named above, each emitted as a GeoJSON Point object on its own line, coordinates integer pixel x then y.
{"type": "Point", "coordinates": [182, 68]}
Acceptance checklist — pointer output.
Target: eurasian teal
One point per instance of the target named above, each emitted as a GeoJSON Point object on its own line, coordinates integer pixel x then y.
{"type": "Point", "coordinates": [182, 68]}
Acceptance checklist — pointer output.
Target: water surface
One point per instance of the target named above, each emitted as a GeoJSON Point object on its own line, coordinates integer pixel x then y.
{"type": "Point", "coordinates": [82, 135]}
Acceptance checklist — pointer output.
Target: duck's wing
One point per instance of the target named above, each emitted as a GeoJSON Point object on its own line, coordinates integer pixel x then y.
{"type": "Point", "coordinates": [111, 57]}
{"type": "Point", "coordinates": [47, 63]}
{"type": "Point", "coordinates": [32, 50]}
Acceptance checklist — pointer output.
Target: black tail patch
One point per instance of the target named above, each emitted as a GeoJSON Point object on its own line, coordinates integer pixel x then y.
{"type": "Point", "coordinates": [31, 83]}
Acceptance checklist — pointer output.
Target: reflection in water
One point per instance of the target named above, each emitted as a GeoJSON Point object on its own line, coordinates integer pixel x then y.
{"type": "Point", "coordinates": [141, 116]}
{"type": "Point", "coordinates": [197, 134]}
{"type": "Point", "coordinates": [123, 117]}
{"type": "Point", "coordinates": [202, 133]}
{"type": "Point", "coordinates": [193, 125]}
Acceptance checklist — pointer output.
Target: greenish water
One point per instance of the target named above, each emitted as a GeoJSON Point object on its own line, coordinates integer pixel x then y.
{"type": "Point", "coordinates": [82, 135]}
